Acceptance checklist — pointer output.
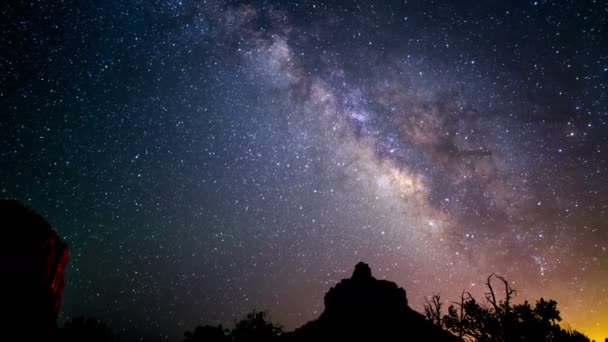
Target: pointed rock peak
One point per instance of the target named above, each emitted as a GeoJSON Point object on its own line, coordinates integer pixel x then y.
{"type": "Point", "coordinates": [362, 272]}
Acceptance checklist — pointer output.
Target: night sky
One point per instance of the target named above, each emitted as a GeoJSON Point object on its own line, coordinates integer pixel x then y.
{"type": "Point", "coordinates": [205, 158]}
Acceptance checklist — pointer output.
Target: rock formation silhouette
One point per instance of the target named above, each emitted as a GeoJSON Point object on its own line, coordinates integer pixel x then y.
{"type": "Point", "coordinates": [34, 260]}
{"type": "Point", "coordinates": [365, 308]}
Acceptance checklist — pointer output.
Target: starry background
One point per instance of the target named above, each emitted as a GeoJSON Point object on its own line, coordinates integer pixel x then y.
{"type": "Point", "coordinates": [205, 158]}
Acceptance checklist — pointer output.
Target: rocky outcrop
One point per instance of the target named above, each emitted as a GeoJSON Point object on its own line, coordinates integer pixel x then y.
{"type": "Point", "coordinates": [364, 308]}
{"type": "Point", "coordinates": [34, 259]}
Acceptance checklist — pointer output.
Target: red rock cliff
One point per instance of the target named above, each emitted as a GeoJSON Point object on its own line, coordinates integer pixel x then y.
{"type": "Point", "coordinates": [34, 259]}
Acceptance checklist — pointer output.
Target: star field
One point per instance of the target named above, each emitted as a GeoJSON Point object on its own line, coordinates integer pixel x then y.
{"type": "Point", "coordinates": [204, 158]}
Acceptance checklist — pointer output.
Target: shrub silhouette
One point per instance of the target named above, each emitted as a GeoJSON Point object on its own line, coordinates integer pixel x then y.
{"type": "Point", "coordinates": [82, 329]}
{"type": "Point", "coordinates": [256, 326]}
{"type": "Point", "coordinates": [207, 333]}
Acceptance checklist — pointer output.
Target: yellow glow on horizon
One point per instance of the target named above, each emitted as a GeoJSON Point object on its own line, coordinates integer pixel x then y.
{"type": "Point", "coordinates": [594, 330]}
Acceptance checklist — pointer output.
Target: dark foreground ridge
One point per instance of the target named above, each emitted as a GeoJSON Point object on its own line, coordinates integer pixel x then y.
{"type": "Point", "coordinates": [360, 308]}
{"type": "Point", "coordinates": [366, 308]}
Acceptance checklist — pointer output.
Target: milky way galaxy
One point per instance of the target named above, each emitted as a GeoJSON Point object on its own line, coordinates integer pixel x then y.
{"type": "Point", "coordinates": [206, 158]}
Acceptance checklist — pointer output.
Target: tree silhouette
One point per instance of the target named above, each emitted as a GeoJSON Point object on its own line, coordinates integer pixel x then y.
{"type": "Point", "coordinates": [459, 317]}
{"type": "Point", "coordinates": [432, 310]}
{"type": "Point", "coordinates": [207, 333]}
{"type": "Point", "coordinates": [498, 320]}
{"type": "Point", "coordinates": [256, 327]}
{"type": "Point", "coordinates": [81, 329]}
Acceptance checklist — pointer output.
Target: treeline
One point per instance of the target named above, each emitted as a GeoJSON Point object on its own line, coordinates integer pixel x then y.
{"type": "Point", "coordinates": [497, 319]}
{"type": "Point", "coordinates": [255, 326]}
